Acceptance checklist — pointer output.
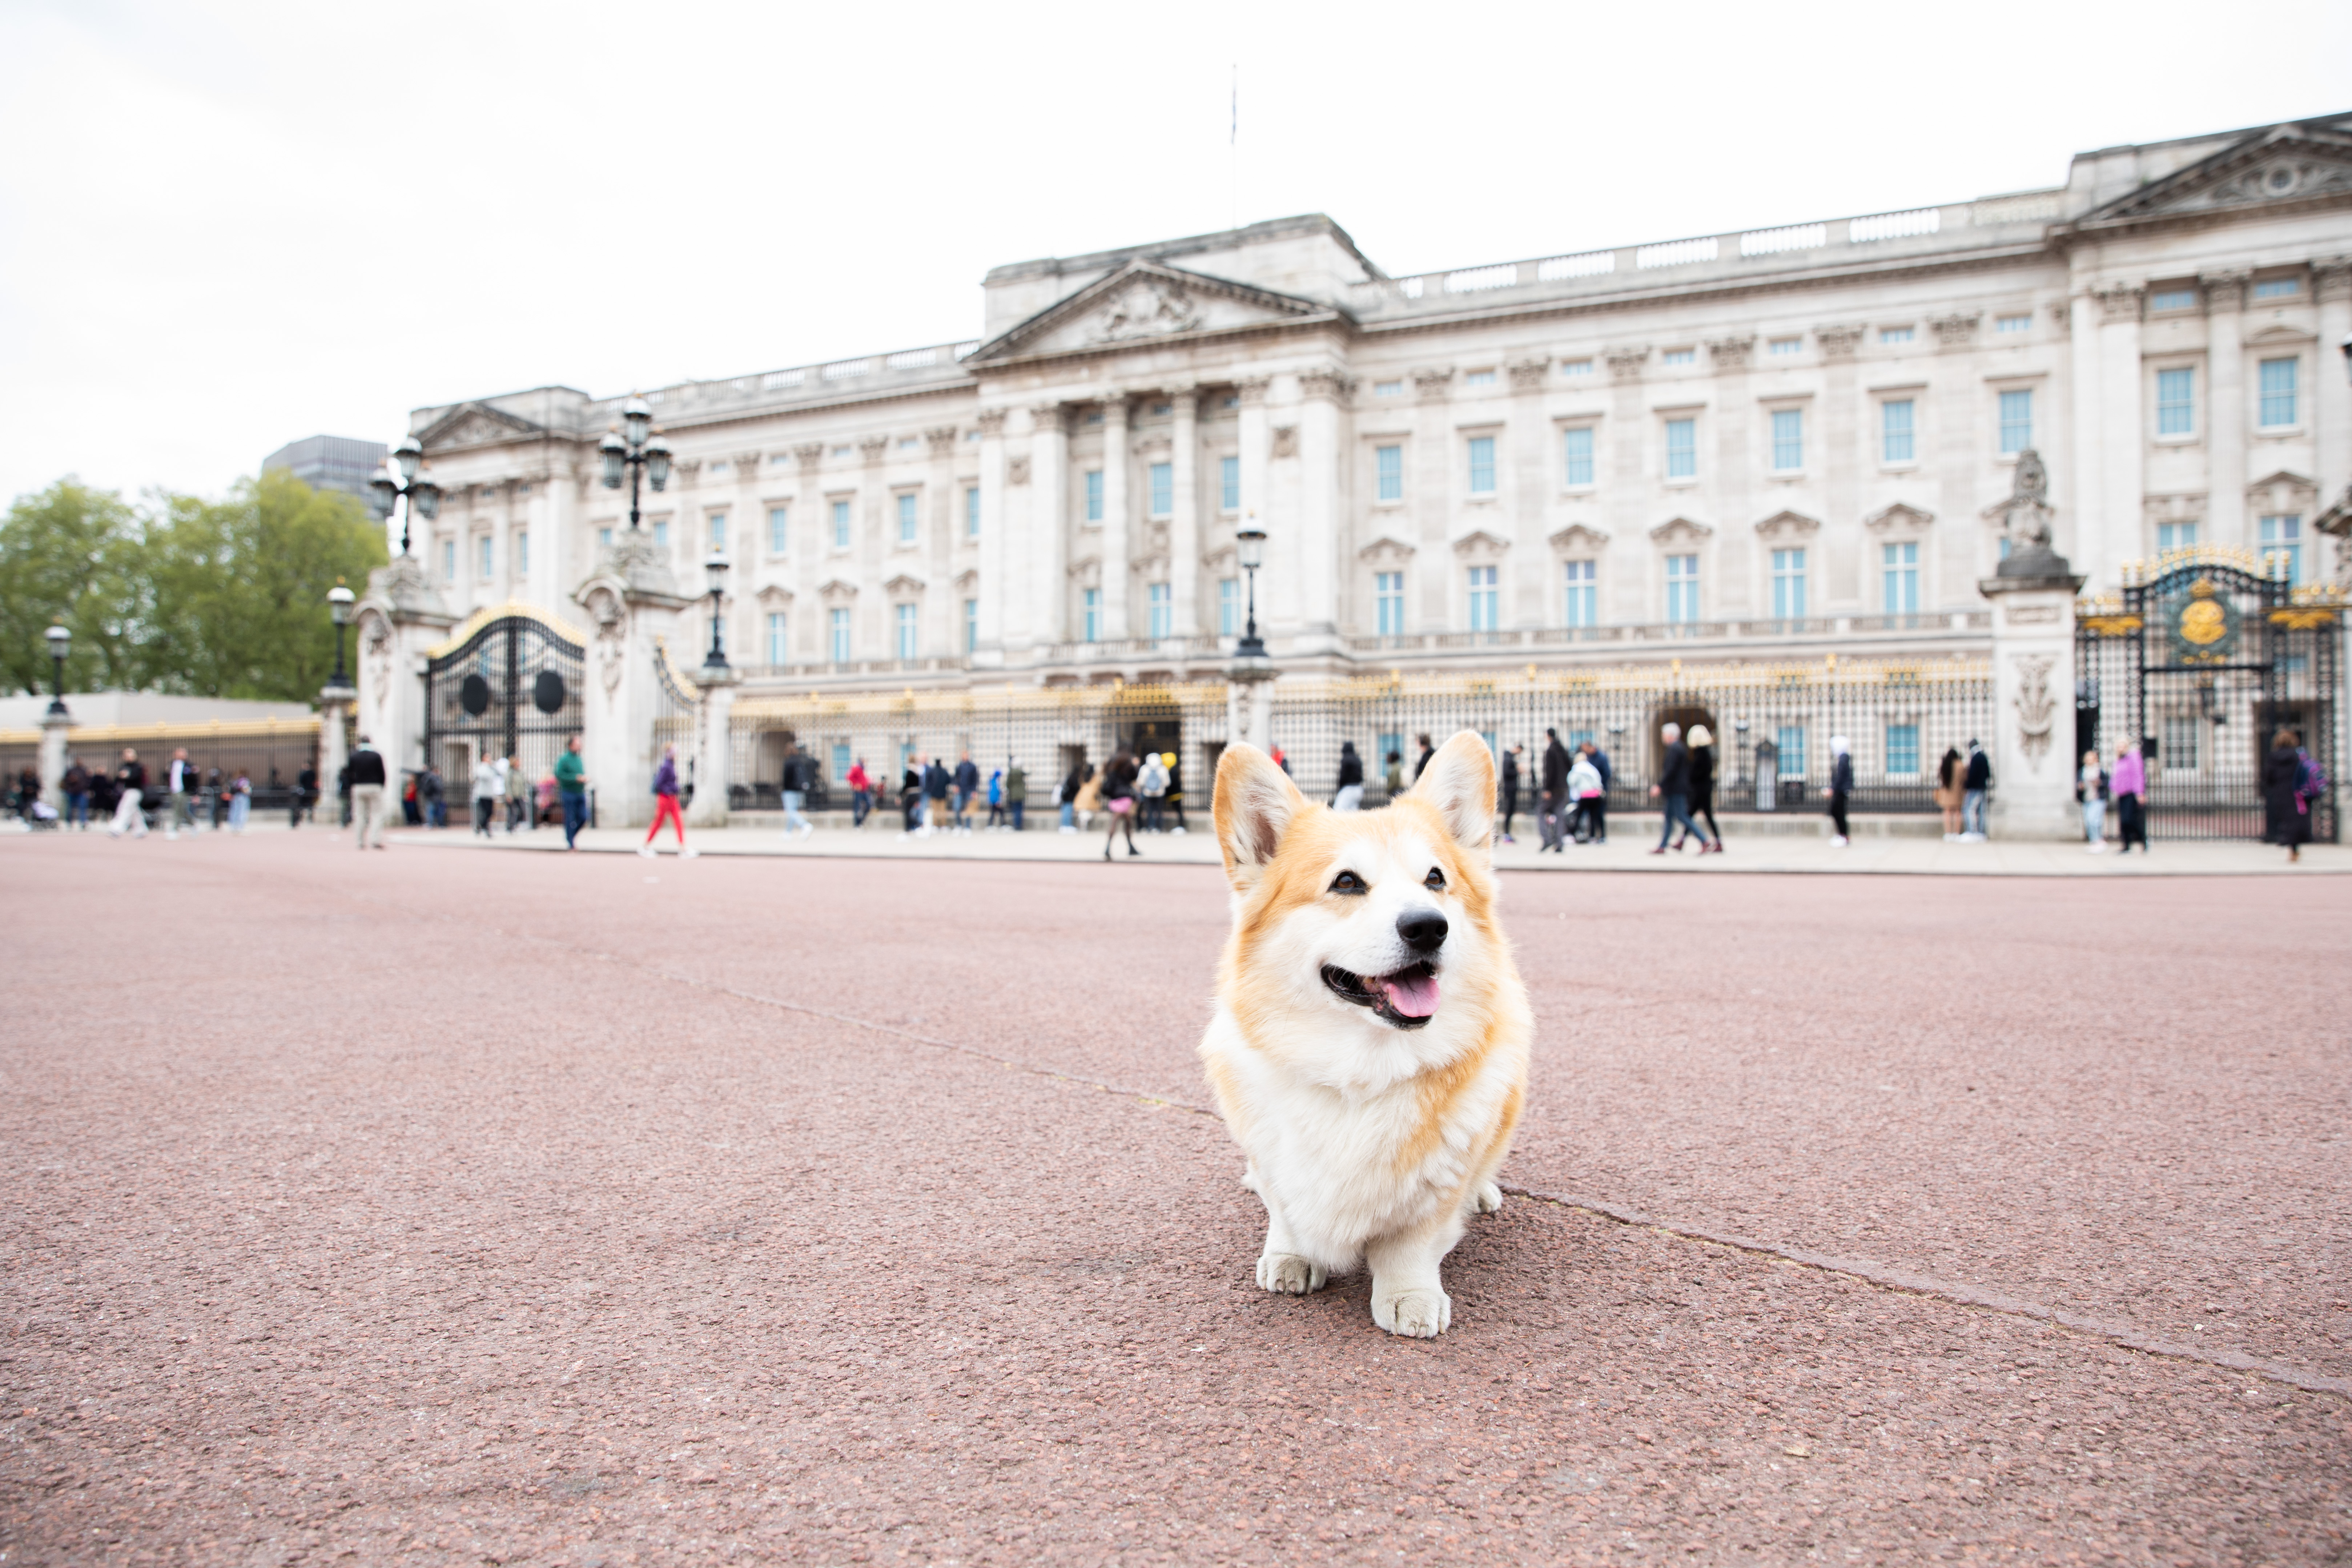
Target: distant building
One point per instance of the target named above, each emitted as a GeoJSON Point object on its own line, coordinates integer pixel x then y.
{"type": "Point", "coordinates": [333, 463]}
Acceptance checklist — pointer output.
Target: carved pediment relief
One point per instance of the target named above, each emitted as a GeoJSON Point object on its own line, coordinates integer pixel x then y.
{"type": "Point", "coordinates": [1681, 530]}
{"type": "Point", "coordinates": [1900, 518]}
{"type": "Point", "coordinates": [1385, 553]}
{"type": "Point", "coordinates": [1577, 539]}
{"type": "Point", "coordinates": [967, 582]}
{"type": "Point", "coordinates": [476, 425]}
{"type": "Point", "coordinates": [1141, 301]}
{"type": "Point", "coordinates": [1223, 561]}
{"type": "Point", "coordinates": [2184, 507]}
{"type": "Point", "coordinates": [838, 592]}
{"type": "Point", "coordinates": [1285, 441]}
{"type": "Point", "coordinates": [2282, 491]}
{"type": "Point", "coordinates": [1786, 524]}
{"type": "Point", "coordinates": [774, 596]}
{"type": "Point", "coordinates": [903, 586]}
{"type": "Point", "coordinates": [1480, 547]}
{"type": "Point", "coordinates": [1016, 470]}
{"type": "Point", "coordinates": [1086, 572]}
{"type": "Point", "coordinates": [2280, 335]}
{"type": "Point", "coordinates": [2300, 162]}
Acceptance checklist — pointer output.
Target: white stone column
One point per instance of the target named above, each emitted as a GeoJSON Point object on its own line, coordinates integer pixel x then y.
{"type": "Point", "coordinates": [400, 617]}
{"type": "Point", "coordinates": [1255, 434]}
{"type": "Point", "coordinates": [2332, 282]}
{"type": "Point", "coordinates": [629, 603]}
{"type": "Point", "coordinates": [713, 748]}
{"type": "Point", "coordinates": [2086, 471]}
{"type": "Point", "coordinates": [997, 623]}
{"type": "Point", "coordinates": [55, 728]}
{"type": "Point", "coordinates": [1047, 575]}
{"type": "Point", "coordinates": [1730, 417]}
{"type": "Point", "coordinates": [334, 701]}
{"type": "Point", "coordinates": [1431, 483]}
{"type": "Point", "coordinates": [1321, 486]}
{"type": "Point", "coordinates": [2226, 414]}
{"type": "Point", "coordinates": [2033, 742]}
{"type": "Point", "coordinates": [1184, 524]}
{"type": "Point", "coordinates": [2117, 528]}
{"type": "Point", "coordinates": [1117, 524]}
{"type": "Point", "coordinates": [811, 544]}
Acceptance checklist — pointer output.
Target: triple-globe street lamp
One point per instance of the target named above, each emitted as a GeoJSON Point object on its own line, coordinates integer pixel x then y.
{"type": "Point", "coordinates": [402, 480]}
{"type": "Point", "coordinates": [636, 445]}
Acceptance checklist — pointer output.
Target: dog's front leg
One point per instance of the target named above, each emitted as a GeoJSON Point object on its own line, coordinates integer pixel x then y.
{"type": "Point", "coordinates": [1407, 1298]}
{"type": "Point", "coordinates": [1280, 1267]}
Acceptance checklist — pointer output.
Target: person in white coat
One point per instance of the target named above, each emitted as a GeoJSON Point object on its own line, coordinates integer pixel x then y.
{"type": "Point", "coordinates": [488, 789]}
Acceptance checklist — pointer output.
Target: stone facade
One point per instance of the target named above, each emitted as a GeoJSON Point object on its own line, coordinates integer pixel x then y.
{"type": "Point", "coordinates": [1773, 444]}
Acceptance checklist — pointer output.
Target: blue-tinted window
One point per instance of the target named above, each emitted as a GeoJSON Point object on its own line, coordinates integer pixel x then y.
{"type": "Point", "coordinates": [1482, 464]}
{"type": "Point", "coordinates": [1903, 749]}
{"type": "Point", "coordinates": [971, 625]}
{"type": "Point", "coordinates": [1583, 593]}
{"type": "Point", "coordinates": [907, 634]}
{"type": "Point", "coordinates": [1163, 612]}
{"type": "Point", "coordinates": [2278, 386]}
{"type": "Point", "coordinates": [907, 518]}
{"type": "Point", "coordinates": [2175, 535]}
{"type": "Point", "coordinates": [1898, 571]}
{"type": "Point", "coordinates": [2176, 410]}
{"type": "Point", "coordinates": [841, 761]}
{"type": "Point", "coordinates": [971, 512]}
{"type": "Point", "coordinates": [2281, 544]}
{"type": "Point", "coordinates": [1788, 439]}
{"type": "Point", "coordinates": [1389, 598]}
{"type": "Point", "coordinates": [1899, 441]}
{"type": "Point", "coordinates": [1387, 466]}
{"type": "Point", "coordinates": [2016, 422]}
{"type": "Point", "coordinates": [1682, 448]}
{"type": "Point", "coordinates": [1163, 488]}
{"type": "Point", "coordinates": [1483, 598]}
{"type": "Point", "coordinates": [1229, 606]}
{"type": "Point", "coordinates": [1788, 584]}
{"type": "Point", "coordinates": [778, 649]}
{"type": "Point", "coordinates": [840, 620]}
{"type": "Point", "coordinates": [1682, 589]}
{"type": "Point", "coordinates": [1790, 742]}
{"type": "Point", "coordinates": [1094, 495]}
{"type": "Point", "coordinates": [1229, 484]}
{"type": "Point", "coordinates": [779, 528]}
{"type": "Point", "coordinates": [1094, 614]}
{"type": "Point", "coordinates": [1578, 444]}
{"type": "Point", "coordinates": [2277, 288]}
{"type": "Point", "coordinates": [841, 525]}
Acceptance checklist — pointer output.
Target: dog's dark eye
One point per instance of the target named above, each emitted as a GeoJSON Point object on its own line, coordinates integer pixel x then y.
{"type": "Point", "coordinates": [1434, 881]}
{"type": "Point", "coordinates": [1346, 882]}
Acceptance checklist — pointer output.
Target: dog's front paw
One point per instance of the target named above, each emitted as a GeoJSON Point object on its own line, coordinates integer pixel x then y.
{"type": "Point", "coordinates": [1490, 1198]}
{"type": "Point", "coordinates": [1421, 1314]}
{"type": "Point", "coordinates": [1289, 1274]}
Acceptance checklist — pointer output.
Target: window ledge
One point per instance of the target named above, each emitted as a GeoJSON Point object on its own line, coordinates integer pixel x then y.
{"type": "Point", "coordinates": [1691, 483]}
{"type": "Point", "coordinates": [2175, 441]}
{"type": "Point", "coordinates": [1784, 476]}
{"type": "Point", "coordinates": [2279, 432]}
{"type": "Point", "coordinates": [1910, 467]}
{"type": "Point", "coordinates": [1580, 490]}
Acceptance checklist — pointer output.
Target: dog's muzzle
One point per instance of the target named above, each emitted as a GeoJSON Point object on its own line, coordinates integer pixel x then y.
{"type": "Point", "coordinates": [1406, 998]}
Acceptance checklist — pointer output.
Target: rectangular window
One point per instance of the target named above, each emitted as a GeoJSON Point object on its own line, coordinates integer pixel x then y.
{"type": "Point", "coordinates": [1163, 612]}
{"type": "Point", "coordinates": [1163, 488]}
{"type": "Point", "coordinates": [908, 634]}
{"type": "Point", "coordinates": [1788, 439]}
{"type": "Point", "coordinates": [1682, 448]}
{"type": "Point", "coordinates": [1790, 742]}
{"type": "Point", "coordinates": [1388, 468]}
{"type": "Point", "coordinates": [716, 527]}
{"type": "Point", "coordinates": [971, 512]}
{"type": "Point", "coordinates": [1898, 440]}
{"type": "Point", "coordinates": [2179, 755]}
{"type": "Point", "coordinates": [1093, 631]}
{"type": "Point", "coordinates": [522, 552]}
{"type": "Point", "coordinates": [1898, 576]}
{"type": "Point", "coordinates": [486, 552]}
{"type": "Point", "coordinates": [1483, 597]}
{"type": "Point", "coordinates": [779, 528]}
{"type": "Point", "coordinates": [971, 625]}
{"type": "Point", "coordinates": [1229, 484]}
{"type": "Point", "coordinates": [2017, 323]}
{"type": "Point", "coordinates": [841, 525]}
{"type": "Point", "coordinates": [1388, 389]}
{"type": "Point", "coordinates": [1678, 356]}
{"type": "Point", "coordinates": [1894, 334]}
{"type": "Point", "coordinates": [1389, 597]}
{"type": "Point", "coordinates": [1583, 592]}
{"type": "Point", "coordinates": [661, 534]}
{"type": "Point", "coordinates": [907, 517]}
{"type": "Point", "coordinates": [1785, 346]}
{"type": "Point", "coordinates": [2173, 300]}
{"type": "Point", "coordinates": [604, 539]}
{"type": "Point", "coordinates": [1482, 464]}
{"type": "Point", "coordinates": [1094, 495]}
{"type": "Point", "coordinates": [841, 761]}
{"type": "Point", "coordinates": [2176, 411]}
{"type": "Point", "coordinates": [1388, 743]}
{"type": "Point", "coordinates": [1578, 443]}
{"type": "Point", "coordinates": [1902, 750]}
{"type": "Point", "coordinates": [1788, 585]}
{"type": "Point", "coordinates": [840, 620]}
{"type": "Point", "coordinates": [1479, 378]}
{"type": "Point", "coordinates": [2278, 385]}
{"type": "Point", "coordinates": [2281, 544]}
{"type": "Point", "coordinates": [2277, 289]}
{"type": "Point", "coordinates": [448, 561]}
{"type": "Point", "coordinates": [2175, 535]}
{"type": "Point", "coordinates": [1682, 589]}
{"type": "Point", "coordinates": [778, 648]}
{"type": "Point", "coordinates": [1229, 606]}
{"type": "Point", "coordinates": [1576, 367]}
{"type": "Point", "coordinates": [2016, 422]}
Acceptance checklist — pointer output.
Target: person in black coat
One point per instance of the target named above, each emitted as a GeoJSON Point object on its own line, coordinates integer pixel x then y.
{"type": "Point", "coordinates": [1551, 812]}
{"type": "Point", "coordinates": [1350, 795]}
{"type": "Point", "coordinates": [2286, 816]}
{"type": "Point", "coordinates": [1673, 791]}
{"type": "Point", "coordinates": [1702, 783]}
{"type": "Point", "coordinates": [1510, 790]}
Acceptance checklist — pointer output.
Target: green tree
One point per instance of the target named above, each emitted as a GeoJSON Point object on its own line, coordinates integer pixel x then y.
{"type": "Point", "coordinates": [72, 553]}
{"type": "Point", "coordinates": [239, 588]}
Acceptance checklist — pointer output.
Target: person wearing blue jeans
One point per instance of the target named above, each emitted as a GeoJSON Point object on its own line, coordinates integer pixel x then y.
{"type": "Point", "coordinates": [571, 787]}
{"type": "Point", "coordinates": [1673, 789]}
{"type": "Point", "coordinates": [1976, 784]}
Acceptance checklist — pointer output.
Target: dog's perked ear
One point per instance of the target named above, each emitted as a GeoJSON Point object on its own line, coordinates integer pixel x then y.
{"type": "Point", "coordinates": [1255, 802]}
{"type": "Point", "coordinates": [1460, 783]}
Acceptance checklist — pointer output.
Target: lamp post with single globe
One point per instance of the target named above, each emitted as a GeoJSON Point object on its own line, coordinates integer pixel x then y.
{"type": "Point", "coordinates": [633, 444]}
{"type": "Point", "coordinates": [60, 645]}
{"type": "Point", "coordinates": [405, 477]}
{"type": "Point", "coordinates": [1249, 691]}
{"type": "Point", "coordinates": [339, 609]}
{"type": "Point", "coordinates": [1249, 548]}
{"type": "Point", "coordinates": [56, 720]}
{"type": "Point", "coordinates": [334, 701]}
{"type": "Point", "coordinates": [714, 572]}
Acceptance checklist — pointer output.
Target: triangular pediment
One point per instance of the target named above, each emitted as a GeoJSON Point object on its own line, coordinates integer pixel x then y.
{"type": "Point", "coordinates": [1786, 524]}
{"type": "Point", "coordinates": [1577, 537]}
{"type": "Point", "coordinates": [1385, 550]}
{"type": "Point", "coordinates": [2301, 162]}
{"type": "Point", "coordinates": [1900, 515]}
{"type": "Point", "coordinates": [903, 586]}
{"type": "Point", "coordinates": [1680, 531]}
{"type": "Point", "coordinates": [476, 425]}
{"type": "Point", "coordinates": [1145, 301]}
{"type": "Point", "coordinates": [1480, 545]}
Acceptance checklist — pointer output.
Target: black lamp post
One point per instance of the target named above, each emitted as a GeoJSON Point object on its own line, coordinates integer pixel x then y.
{"type": "Point", "coordinates": [405, 477]}
{"type": "Point", "coordinates": [60, 644]}
{"type": "Point", "coordinates": [633, 444]}
{"type": "Point", "coordinates": [1249, 546]}
{"type": "Point", "coordinates": [338, 607]}
{"type": "Point", "coordinates": [1739, 750]}
{"type": "Point", "coordinates": [714, 572]}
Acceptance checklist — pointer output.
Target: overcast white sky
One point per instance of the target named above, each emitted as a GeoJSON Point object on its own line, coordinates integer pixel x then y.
{"type": "Point", "coordinates": [224, 226]}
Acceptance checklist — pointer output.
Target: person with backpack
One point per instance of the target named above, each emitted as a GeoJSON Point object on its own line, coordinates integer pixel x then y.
{"type": "Point", "coordinates": [1151, 789]}
{"type": "Point", "coordinates": [666, 808]}
{"type": "Point", "coordinates": [2091, 794]}
{"type": "Point", "coordinates": [1976, 784]}
{"type": "Point", "coordinates": [2287, 775]}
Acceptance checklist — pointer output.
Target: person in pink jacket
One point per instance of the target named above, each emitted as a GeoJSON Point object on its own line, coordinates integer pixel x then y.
{"type": "Point", "coordinates": [2128, 784]}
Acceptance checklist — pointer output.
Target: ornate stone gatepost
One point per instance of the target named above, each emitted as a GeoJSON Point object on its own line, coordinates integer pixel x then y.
{"type": "Point", "coordinates": [2031, 746]}
{"type": "Point", "coordinates": [713, 752]}
{"type": "Point", "coordinates": [334, 701]}
{"type": "Point", "coordinates": [631, 600]}
{"type": "Point", "coordinates": [401, 615]}
{"type": "Point", "coordinates": [54, 724]}
{"type": "Point", "coordinates": [1249, 702]}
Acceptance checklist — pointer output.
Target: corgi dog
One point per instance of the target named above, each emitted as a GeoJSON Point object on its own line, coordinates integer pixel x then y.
{"type": "Point", "coordinates": [1369, 1047]}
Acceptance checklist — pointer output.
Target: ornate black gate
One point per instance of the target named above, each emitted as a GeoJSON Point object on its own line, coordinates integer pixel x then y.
{"type": "Point", "coordinates": [512, 688]}
{"type": "Point", "coordinates": [2203, 657]}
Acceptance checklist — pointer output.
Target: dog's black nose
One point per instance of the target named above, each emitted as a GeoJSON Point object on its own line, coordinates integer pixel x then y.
{"type": "Point", "coordinates": [1423, 929]}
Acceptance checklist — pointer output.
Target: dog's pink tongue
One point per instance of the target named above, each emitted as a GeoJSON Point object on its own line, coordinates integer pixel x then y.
{"type": "Point", "coordinates": [1414, 996]}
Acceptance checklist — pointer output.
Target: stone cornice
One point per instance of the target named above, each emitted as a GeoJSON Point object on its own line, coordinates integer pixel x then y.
{"type": "Point", "coordinates": [1048, 419]}
{"type": "Point", "coordinates": [1331, 385]}
{"type": "Point", "coordinates": [1254, 389]}
{"type": "Point", "coordinates": [2119, 303]}
{"type": "Point", "coordinates": [1625, 361]}
{"type": "Point", "coordinates": [1730, 355]}
{"type": "Point", "coordinates": [1839, 339]}
{"type": "Point", "coordinates": [2331, 278]}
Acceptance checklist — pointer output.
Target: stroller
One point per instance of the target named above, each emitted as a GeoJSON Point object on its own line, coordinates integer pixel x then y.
{"type": "Point", "coordinates": [41, 816]}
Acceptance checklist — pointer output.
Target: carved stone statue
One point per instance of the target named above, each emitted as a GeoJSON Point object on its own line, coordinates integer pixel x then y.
{"type": "Point", "coordinates": [2027, 523]}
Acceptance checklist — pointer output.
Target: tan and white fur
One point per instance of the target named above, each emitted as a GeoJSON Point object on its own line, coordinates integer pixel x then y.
{"type": "Point", "coordinates": [1370, 1048]}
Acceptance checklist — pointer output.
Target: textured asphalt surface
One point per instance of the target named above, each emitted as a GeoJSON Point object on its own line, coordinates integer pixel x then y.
{"type": "Point", "coordinates": [429, 1208]}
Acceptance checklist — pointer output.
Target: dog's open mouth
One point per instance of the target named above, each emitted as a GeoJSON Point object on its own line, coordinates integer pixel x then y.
{"type": "Point", "coordinates": [1405, 998]}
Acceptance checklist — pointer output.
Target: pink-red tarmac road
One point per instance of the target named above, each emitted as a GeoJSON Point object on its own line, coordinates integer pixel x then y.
{"type": "Point", "coordinates": [429, 1208]}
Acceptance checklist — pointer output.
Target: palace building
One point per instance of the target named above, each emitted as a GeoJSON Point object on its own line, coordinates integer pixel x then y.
{"type": "Point", "coordinates": [1772, 449]}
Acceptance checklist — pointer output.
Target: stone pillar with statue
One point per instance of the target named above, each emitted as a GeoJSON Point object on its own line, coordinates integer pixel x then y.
{"type": "Point", "coordinates": [399, 616]}
{"type": "Point", "coordinates": [2032, 593]}
{"type": "Point", "coordinates": [631, 600]}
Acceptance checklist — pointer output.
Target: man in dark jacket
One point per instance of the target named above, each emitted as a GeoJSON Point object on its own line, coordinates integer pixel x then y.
{"type": "Point", "coordinates": [967, 786]}
{"type": "Point", "coordinates": [1596, 810]}
{"type": "Point", "coordinates": [1976, 784]}
{"type": "Point", "coordinates": [1551, 812]}
{"type": "Point", "coordinates": [368, 779]}
{"type": "Point", "coordinates": [798, 767]}
{"type": "Point", "coordinates": [935, 796]}
{"type": "Point", "coordinates": [130, 805]}
{"type": "Point", "coordinates": [1509, 789]}
{"type": "Point", "coordinates": [1672, 790]}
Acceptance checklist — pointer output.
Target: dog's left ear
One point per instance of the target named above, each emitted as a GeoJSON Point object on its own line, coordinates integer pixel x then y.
{"type": "Point", "coordinates": [1254, 806]}
{"type": "Point", "coordinates": [1460, 783]}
